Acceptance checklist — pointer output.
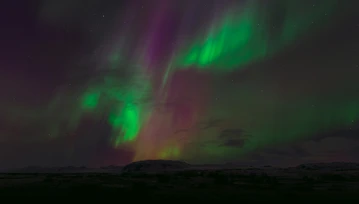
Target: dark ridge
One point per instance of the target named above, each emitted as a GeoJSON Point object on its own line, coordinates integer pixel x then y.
{"type": "Point", "coordinates": [155, 165]}
{"type": "Point", "coordinates": [330, 166]}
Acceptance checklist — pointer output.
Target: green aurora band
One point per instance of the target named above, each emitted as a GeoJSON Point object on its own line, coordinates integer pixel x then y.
{"type": "Point", "coordinates": [245, 35]}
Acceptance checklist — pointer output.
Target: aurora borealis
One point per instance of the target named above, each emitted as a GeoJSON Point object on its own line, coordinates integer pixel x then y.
{"type": "Point", "coordinates": [101, 83]}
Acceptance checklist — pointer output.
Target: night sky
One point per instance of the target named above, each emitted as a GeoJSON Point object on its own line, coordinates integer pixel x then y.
{"type": "Point", "coordinates": [92, 82]}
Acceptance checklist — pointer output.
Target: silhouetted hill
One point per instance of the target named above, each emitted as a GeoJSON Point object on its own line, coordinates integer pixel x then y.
{"type": "Point", "coordinates": [39, 169]}
{"type": "Point", "coordinates": [171, 165]}
{"type": "Point", "coordinates": [155, 165]}
{"type": "Point", "coordinates": [333, 166]}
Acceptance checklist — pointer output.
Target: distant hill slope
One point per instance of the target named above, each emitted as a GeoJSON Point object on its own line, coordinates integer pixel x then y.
{"type": "Point", "coordinates": [330, 166]}
{"type": "Point", "coordinates": [39, 169]}
{"type": "Point", "coordinates": [66, 169]}
{"type": "Point", "coordinates": [170, 165]}
{"type": "Point", "coordinates": [155, 165]}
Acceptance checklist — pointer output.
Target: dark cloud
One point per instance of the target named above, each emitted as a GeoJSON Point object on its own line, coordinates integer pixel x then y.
{"type": "Point", "coordinates": [204, 125]}
{"type": "Point", "coordinates": [291, 151]}
{"type": "Point", "coordinates": [349, 133]}
{"type": "Point", "coordinates": [305, 151]}
{"type": "Point", "coordinates": [234, 143]}
{"type": "Point", "coordinates": [209, 124]}
{"type": "Point", "coordinates": [233, 137]}
{"type": "Point", "coordinates": [233, 133]}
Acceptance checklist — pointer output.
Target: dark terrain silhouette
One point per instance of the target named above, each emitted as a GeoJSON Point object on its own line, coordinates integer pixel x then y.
{"type": "Point", "coordinates": [174, 180]}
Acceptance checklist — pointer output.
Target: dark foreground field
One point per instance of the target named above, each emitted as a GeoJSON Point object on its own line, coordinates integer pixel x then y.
{"type": "Point", "coordinates": [191, 184]}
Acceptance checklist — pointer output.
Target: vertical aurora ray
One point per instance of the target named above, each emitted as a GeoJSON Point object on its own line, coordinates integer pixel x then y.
{"type": "Point", "coordinates": [295, 23]}
{"type": "Point", "coordinates": [170, 152]}
{"type": "Point", "coordinates": [126, 123]}
{"type": "Point", "coordinates": [240, 38]}
{"type": "Point", "coordinates": [128, 120]}
{"type": "Point", "coordinates": [90, 100]}
{"type": "Point", "coordinates": [119, 98]}
{"type": "Point", "coordinates": [234, 34]}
